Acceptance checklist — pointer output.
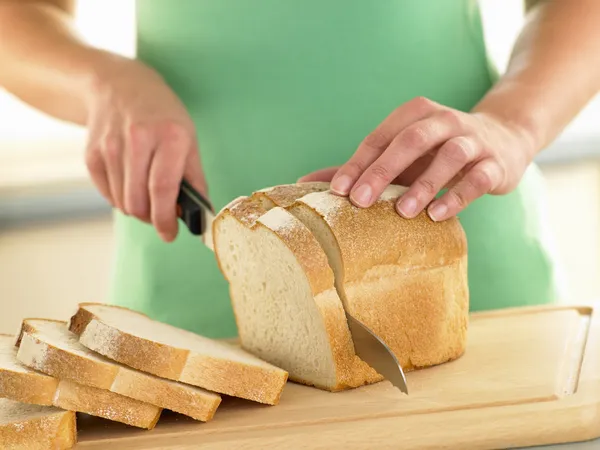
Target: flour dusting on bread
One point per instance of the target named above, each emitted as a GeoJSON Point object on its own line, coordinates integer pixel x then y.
{"type": "Point", "coordinates": [279, 219]}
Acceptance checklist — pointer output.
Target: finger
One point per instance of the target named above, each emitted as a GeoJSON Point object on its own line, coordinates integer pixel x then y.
{"type": "Point", "coordinates": [325, 175]}
{"type": "Point", "coordinates": [166, 172]}
{"type": "Point", "coordinates": [193, 172]}
{"type": "Point", "coordinates": [450, 159]}
{"type": "Point", "coordinates": [483, 178]}
{"type": "Point", "coordinates": [139, 148]}
{"type": "Point", "coordinates": [409, 145]}
{"type": "Point", "coordinates": [95, 165]}
{"type": "Point", "coordinates": [112, 152]}
{"type": "Point", "coordinates": [376, 142]}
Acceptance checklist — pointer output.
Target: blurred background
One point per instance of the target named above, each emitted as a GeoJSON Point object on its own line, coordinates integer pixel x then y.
{"type": "Point", "coordinates": [56, 243]}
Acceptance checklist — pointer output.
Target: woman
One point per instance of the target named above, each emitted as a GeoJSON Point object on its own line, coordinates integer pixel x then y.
{"type": "Point", "coordinates": [366, 93]}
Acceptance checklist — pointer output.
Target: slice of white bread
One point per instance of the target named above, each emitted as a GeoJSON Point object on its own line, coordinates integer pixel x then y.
{"type": "Point", "coordinates": [20, 383]}
{"type": "Point", "coordinates": [34, 427]}
{"type": "Point", "coordinates": [49, 347]}
{"type": "Point", "coordinates": [296, 255]}
{"type": "Point", "coordinates": [134, 339]}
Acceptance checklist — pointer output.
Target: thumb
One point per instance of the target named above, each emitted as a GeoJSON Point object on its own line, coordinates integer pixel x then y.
{"type": "Point", "coordinates": [325, 175]}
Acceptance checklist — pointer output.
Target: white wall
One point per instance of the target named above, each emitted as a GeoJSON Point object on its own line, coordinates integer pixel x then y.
{"type": "Point", "coordinates": [45, 271]}
{"type": "Point", "coordinates": [574, 215]}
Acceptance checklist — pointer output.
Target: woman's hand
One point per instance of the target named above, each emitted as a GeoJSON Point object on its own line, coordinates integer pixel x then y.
{"type": "Point", "coordinates": [142, 142]}
{"type": "Point", "coordinates": [429, 147]}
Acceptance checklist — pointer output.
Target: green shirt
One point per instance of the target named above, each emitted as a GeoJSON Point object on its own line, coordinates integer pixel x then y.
{"type": "Point", "coordinates": [279, 88]}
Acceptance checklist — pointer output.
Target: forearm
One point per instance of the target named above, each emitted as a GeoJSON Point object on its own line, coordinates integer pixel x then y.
{"type": "Point", "coordinates": [553, 72]}
{"type": "Point", "coordinates": [43, 61]}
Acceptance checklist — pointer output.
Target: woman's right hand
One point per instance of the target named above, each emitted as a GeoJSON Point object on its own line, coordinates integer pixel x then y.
{"type": "Point", "coordinates": [142, 142]}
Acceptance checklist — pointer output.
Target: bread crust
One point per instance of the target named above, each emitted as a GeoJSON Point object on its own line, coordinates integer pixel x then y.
{"type": "Point", "coordinates": [100, 372]}
{"type": "Point", "coordinates": [24, 386]}
{"type": "Point", "coordinates": [59, 363]}
{"type": "Point", "coordinates": [27, 426]}
{"type": "Point", "coordinates": [72, 396]}
{"type": "Point", "coordinates": [262, 383]}
{"type": "Point", "coordinates": [413, 269]}
{"type": "Point", "coordinates": [106, 404]}
{"type": "Point", "coordinates": [411, 244]}
{"type": "Point", "coordinates": [142, 354]}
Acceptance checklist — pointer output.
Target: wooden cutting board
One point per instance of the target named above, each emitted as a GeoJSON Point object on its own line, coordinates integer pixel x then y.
{"type": "Point", "coordinates": [530, 376]}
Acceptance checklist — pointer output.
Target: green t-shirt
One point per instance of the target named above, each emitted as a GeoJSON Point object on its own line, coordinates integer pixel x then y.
{"type": "Point", "coordinates": [278, 89]}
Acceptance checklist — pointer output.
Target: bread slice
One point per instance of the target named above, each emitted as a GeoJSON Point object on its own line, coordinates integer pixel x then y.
{"type": "Point", "coordinates": [136, 340]}
{"type": "Point", "coordinates": [294, 255]}
{"type": "Point", "coordinates": [16, 380]}
{"type": "Point", "coordinates": [49, 346]}
{"type": "Point", "coordinates": [20, 383]}
{"type": "Point", "coordinates": [24, 426]}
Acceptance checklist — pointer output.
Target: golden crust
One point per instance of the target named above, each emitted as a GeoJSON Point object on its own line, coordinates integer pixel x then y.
{"type": "Point", "coordinates": [72, 396]}
{"type": "Point", "coordinates": [405, 243]}
{"type": "Point", "coordinates": [102, 403]}
{"type": "Point", "coordinates": [170, 395]}
{"type": "Point", "coordinates": [62, 364]}
{"type": "Point", "coordinates": [161, 360]}
{"type": "Point", "coordinates": [414, 269]}
{"type": "Point", "coordinates": [26, 386]}
{"type": "Point", "coordinates": [39, 427]}
{"type": "Point", "coordinates": [105, 374]}
{"type": "Point", "coordinates": [264, 384]}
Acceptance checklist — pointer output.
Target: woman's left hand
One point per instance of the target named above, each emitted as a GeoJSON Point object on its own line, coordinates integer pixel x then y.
{"type": "Point", "coordinates": [429, 147]}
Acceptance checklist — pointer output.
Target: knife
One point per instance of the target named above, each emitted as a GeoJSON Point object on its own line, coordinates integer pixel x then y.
{"type": "Point", "coordinates": [196, 212]}
{"type": "Point", "coordinates": [198, 215]}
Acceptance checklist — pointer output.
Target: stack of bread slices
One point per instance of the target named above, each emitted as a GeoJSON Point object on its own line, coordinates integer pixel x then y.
{"type": "Point", "coordinates": [296, 258]}
{"type": "Point", "coordinates": [120, 365]}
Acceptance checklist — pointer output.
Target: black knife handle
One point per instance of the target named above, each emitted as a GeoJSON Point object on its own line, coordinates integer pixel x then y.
{"type": "Point", "coordinates": [192, 207]}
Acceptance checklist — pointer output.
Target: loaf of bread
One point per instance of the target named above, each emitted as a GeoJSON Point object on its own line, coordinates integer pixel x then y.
{"type": "Point", "coordinates": [49, 347]}
{"type": "Point", "coordinates": [296, 255]}
{"type": "Point", "coordinates": [20, 383]}
{"type": "Point", "coordinates": [34, 427]}
{"type": "Point", "coordinates": [135, 340]}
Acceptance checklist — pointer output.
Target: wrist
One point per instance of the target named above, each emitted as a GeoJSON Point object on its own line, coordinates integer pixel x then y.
{"type": "Point", "coordinates": [517, 108]}
{"type": "Point", "coordinates": [105, 69]}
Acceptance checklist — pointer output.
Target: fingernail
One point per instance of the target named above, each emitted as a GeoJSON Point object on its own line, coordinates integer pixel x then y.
{"type": "Point", "coordinates": [341, 185]}
{"type": "Point", "coordinates": [437, 211]}
{"type": "Point", "coordinates": [362, 195]}
{"type": "Point", "coordinates": [408, 206]}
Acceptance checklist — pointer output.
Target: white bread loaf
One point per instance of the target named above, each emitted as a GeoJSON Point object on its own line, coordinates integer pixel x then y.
{"type": "Point", "coordinates": [293, 253]}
